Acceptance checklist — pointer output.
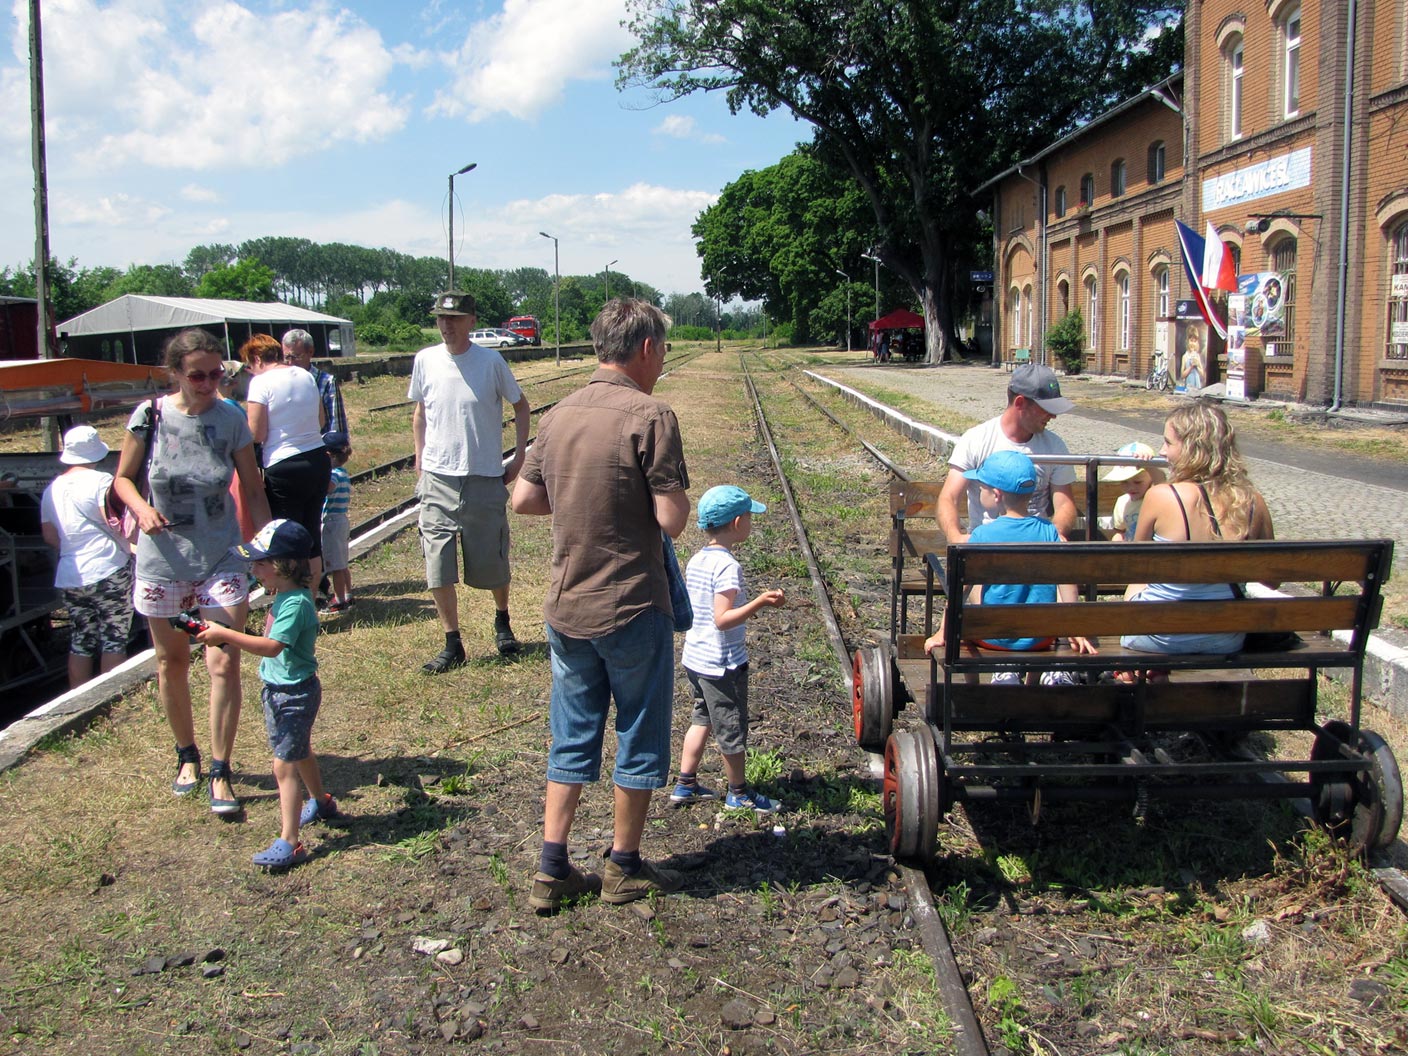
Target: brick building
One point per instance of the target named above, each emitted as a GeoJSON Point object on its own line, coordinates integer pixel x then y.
{"type": "Point", "coordinates": [1288, 131]}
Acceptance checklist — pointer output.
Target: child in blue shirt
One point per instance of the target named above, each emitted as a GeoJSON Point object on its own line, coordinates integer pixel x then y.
{"type": "Point", "coordinates": [292, 693]}
{"type": "Point", "coordinates": [335, 524]}
{"type": "Point", "coordinates": [1006, 479]}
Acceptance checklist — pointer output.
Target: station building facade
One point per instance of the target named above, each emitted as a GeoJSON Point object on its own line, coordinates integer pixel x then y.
{"type": "Point", "coordinates": [1287, 131]}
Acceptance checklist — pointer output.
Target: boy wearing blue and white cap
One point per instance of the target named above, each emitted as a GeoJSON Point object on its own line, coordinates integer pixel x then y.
{"type": "Point", "coordinates": [1006, 480]}
{"type": "Point", "coordinates": [715, 654]}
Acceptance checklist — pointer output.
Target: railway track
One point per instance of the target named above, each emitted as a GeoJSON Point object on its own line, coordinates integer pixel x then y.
{"type": "Point", "coordinates": [969, 1037]}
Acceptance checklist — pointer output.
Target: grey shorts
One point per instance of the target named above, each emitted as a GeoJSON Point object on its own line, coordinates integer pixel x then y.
{"type": "Point", "coordinates": [723, 704]}
{"type": "Point", "coordinates": [335, 532]}
{"type": "Point", "coordinates": [472, 511]}
{"type": "Point", "coordinates": [289, 712]}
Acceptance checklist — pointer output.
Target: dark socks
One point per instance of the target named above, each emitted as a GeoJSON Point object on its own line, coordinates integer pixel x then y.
{"type": "Point", "coordinates": [738, 790]}
{"type": "Point", "coordinates": [501, 617]}
{"type": "Point", "coordinates": [688, 780]}
{"type": "Point", "coordinates": [452, 640]}
{"type": "Point", "coordinates": [553, 860]}
{"type": "Point", "coordinates": [629, 861]}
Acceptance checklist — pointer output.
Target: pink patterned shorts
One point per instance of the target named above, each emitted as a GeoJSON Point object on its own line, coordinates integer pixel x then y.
{"type": "Point", "coordinates": [161, 598]}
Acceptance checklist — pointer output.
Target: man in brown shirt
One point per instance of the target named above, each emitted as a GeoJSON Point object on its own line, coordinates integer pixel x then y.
{"type": "Point", "coordinates": [608, 466]}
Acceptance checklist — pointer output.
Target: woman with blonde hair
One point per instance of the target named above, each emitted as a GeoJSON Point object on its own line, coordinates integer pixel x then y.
{"type": "Point", "coordinates": [1208, 498]}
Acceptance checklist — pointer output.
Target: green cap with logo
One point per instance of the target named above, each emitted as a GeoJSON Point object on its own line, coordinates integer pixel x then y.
{"type": "Point", "coordinates": [453, 302]}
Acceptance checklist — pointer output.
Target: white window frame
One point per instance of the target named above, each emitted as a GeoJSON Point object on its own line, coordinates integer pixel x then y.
{"type": "Point", "coordinates": [1027, 312]}
{"type": "Point", "coordinates": [1061, 200]}
{"type": "Point", "coordinates": [1092, 311]}
{"type": "Point", "coordinates": [1290, 64]}
{"type": "Point", "coordinates": [1117, 178]}
{"type": "Point", "coordinates": [1397, 309]}
{"type": "Point", "coordinates": [1161, 281]}
{"type": "Point", "coordinates": [1158, 162]}
{"type": "Point", "coordinates": [1015, 315]}
{"type": "Point", "coordinates": [1235, 63]}
{"type": "Point", "coordinates": [1122, 285]}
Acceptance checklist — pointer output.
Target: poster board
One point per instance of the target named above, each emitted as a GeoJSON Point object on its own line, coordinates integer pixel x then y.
{"type": "Point", "coordinates": [1237, 346]}
{"type": "Point", "coordinates": [1265, 293]}
{"type": "Point", "coordinates": [1190, 362]}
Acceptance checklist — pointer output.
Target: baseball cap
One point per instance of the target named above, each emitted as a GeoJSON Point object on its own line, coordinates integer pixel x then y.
{"type": "Point", "coordinates": [335, 440]}
{"type": "Point", "coordinates": [1115, 474]}
{"type": "Point", "coordinates": [278, 538]}
{"type": "Point", "coordinates": [1039, 383]}
{"type": "Point", "coordinates": [83, 445]}
{"type": "Point", "coordinates": [453, 302]}
{"type": "Point", "coordinates": [1009, 471]}
{"type": "Point", "coordinates": [723, 503]}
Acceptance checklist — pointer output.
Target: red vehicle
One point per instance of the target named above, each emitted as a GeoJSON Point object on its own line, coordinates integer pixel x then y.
{"type": "Point", "coordinates": [527, 325]}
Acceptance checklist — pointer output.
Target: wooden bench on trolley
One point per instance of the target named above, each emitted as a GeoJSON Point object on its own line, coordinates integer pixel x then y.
{"type": "Point", "coordinates": [1105, 739]}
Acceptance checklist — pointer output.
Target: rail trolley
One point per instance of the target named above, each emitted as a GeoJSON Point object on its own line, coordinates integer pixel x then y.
{"type": "Point", "coordinates": [1103, 738]}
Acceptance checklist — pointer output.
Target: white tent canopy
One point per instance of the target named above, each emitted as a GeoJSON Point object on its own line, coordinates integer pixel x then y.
{"type": "Point", "coordinates": [153, 318]}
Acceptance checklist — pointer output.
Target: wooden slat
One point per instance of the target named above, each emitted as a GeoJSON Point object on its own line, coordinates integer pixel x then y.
{"type": "Point", "coordinates": [1113, 618]}
{"type": "Point", "coordinates": [919, 498]}
{"type": "Point", "coordinates": [918, 542]}
{"type": "Point", "coordinates": [1271, 561]}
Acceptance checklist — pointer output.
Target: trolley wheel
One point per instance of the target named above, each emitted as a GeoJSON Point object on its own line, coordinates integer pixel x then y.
{"type": "Point", "coordinates": [1365, 809]}
{"type": "Point", "coordinates": [913, 794]}
{"type": "Point", "coordinates": [873, 696]}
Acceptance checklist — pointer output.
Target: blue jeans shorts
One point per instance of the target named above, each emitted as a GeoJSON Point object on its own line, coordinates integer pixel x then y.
{"type": "Point", "coordinates": [289, 712]}
{"type": "Point", "coordinates": [636, 666]}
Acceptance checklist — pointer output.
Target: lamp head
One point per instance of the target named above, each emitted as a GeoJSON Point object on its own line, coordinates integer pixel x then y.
{"type": "Point", "coordinates": [471, 165]}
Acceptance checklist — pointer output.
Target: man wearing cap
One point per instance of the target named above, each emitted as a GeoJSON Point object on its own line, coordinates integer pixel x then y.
{"type": "Point", "coordinates": [298, 352]}
{"type": "Point", "coordinates": [459, 389]}
{"type": "Point", "coordinates": [1033, 400]}
{"type": "Point", "coordinates": [608, 466]}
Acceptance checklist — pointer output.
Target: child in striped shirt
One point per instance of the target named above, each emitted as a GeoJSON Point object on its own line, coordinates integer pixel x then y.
{"type": "Point", "coordinates": [715, 654]}
{"type": "Point", "coordinates": [335, 524]}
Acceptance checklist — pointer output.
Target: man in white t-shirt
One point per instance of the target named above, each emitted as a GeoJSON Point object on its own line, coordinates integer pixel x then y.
{"type": "Point", "coordinates": [1033, 400]}
{"type": "Point", "coordinates": [459, 390]}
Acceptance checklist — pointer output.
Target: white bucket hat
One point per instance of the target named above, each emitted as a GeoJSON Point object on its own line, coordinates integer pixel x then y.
{"type": "Point", "coordinates": [82, 445]}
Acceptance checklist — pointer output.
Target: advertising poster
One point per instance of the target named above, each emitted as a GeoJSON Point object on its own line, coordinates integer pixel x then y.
{"type": "Point", "coordinates": [1236, 346]}
{"type": "Point", "coordinates": [1265, 293]}
{"type": "Point", "coordinates": [1190, 359]}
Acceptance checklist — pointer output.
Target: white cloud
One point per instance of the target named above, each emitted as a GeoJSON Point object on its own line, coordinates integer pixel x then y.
{"type": "Point", "coordinates": [111, 210]}
{"type": "Point", "coordinates": [208, 84]}
{"type": "Point", "coordinates": [521, 60]}
{"type": "Point", "coordinates": [194, 192]}
{"type": "Point", "coordinates": [678, 126]}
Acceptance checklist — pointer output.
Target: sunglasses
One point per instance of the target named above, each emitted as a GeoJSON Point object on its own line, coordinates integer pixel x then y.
{"type": "Point", "coordinates": [200, 377]}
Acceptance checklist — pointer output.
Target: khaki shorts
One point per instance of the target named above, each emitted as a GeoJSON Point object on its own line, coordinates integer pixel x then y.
{"type": "Point", "coordinates": [472, 510]}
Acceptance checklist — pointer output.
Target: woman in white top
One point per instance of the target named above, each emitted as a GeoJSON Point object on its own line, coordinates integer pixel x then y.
{"type": "Point", "coordinates": [94, 569]}
{"type": "Point", "coordinates": [287, 416]}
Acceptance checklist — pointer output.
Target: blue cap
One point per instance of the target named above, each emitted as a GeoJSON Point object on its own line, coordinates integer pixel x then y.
{"type": "Point", "coordinates": [1009, 471]}
{"type": "Point", "coordinates": [335, 440]}
{"type": "Point", "coordinates": [723, 503]}
{"type": "Point", "coordinates": [278, 538]}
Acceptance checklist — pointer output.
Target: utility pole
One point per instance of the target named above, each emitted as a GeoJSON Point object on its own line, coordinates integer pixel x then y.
{"type": "Point", "coordinates": [556, 288]}
{"type": "Point", "coordinates": [43, 334]}
{"type": "Point", "coordinates": [848, 307]}
{"type": "Point", "coordinates": [461, 172]}
{"type": "Point", "coordinates": [608, 278]}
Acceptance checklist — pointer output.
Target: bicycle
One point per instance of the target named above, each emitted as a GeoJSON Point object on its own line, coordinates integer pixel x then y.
{"type": "Point", "coordinates": [1158, 372]}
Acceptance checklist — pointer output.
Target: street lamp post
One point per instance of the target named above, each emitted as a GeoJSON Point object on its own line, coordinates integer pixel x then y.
{"type": "Point", "coordinates": [848, 307]}
{"type": "Point", "coordinates": [461, 172]}
{"type": "Point", "coordinates": [608, 277]}
{"type": "Point", "coordinates": [556, 305]}
{"type": "Point", "coordinates": [718, 315]}
{"type": "Point", "coordinates": [869, 256]}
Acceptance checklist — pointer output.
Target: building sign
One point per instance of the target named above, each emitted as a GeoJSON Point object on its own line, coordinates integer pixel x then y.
{"type": "Point", "coordinates": [1398, 287]}
{"type": "Point", "coordinates": [1187, 310]}
{"type": "Point", "coordinates": [1400, 334]}
{"type": "Point", "coordinates": [1284, 173]}
{"type": "Point", "coordinates": [1265, 303]}
{"type": "Point", "coordinates": [983, 277]}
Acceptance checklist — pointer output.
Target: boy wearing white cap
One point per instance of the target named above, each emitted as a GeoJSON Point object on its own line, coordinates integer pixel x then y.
{"type": "Point", "coordinates": [94, 570]}
{"type": "Point", "coordinates": [1137, 481]}
{"type": "Point", "coordinates": [715, 653]}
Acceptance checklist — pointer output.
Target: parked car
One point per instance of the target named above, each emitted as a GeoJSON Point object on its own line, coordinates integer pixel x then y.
{"type": "Point", "coordinates": [492, 338]}
{"type": "Point", "coordinates": [515, 339]}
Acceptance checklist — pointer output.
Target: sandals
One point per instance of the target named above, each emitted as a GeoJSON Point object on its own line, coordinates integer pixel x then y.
{"type": "Point", "coordinates": [187, 755]}
{"type": "Point", "coordinates": [220, 770]}
{"type": "Point", "coordinates": [281, 855]}
{"type": "Point", "coordinates": [446, 659]}
{"type": "Point", "coordinates": [324, 809]}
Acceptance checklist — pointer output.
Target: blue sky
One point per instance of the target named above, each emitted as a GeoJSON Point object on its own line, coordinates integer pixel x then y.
{"type": "Point", "coordinates": [172, 124]}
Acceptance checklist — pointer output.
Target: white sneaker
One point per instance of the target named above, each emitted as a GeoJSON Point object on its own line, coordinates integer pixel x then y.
{"type": "Point", "coordinates": [1059, 678]}
{"type": "Point", "coordinates": [1006, 678]}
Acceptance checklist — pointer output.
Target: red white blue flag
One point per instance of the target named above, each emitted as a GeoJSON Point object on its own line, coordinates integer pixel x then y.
{"type": "Point", "coordinates": [1209, 267]}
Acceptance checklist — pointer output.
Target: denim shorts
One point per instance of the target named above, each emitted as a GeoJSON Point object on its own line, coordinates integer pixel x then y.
{"type": "Point", "coordinates": [636, 665]}
{"type": "Point", "coordinates": [289, 712]}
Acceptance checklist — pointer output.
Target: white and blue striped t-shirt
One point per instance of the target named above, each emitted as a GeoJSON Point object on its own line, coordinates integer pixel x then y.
{"type": "Point", "coordinates": [339, 500]}
{"type": "Point", "coordinates": [707, 650]}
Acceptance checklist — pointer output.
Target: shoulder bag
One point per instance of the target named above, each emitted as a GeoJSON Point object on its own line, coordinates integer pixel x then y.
{"type": "Point", "coordinates": [120, 517]}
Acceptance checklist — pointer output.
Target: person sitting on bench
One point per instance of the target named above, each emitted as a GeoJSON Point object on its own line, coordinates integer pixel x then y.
{"type": "Point", "coordinates": [1006, 481]}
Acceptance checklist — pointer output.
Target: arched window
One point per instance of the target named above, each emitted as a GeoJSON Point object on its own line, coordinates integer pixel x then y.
{"type": "Point", "coordinates": [1290, 62]}
{"type": "Point", "coordinates": [1063, 297]}
{"type": "Point", "coordinates": [1156, 162]}
{"type": "Point", "coordinates": [1122, 307]}
{"type": "Point", "coordinates": [1087, 189]}
{"type": "Point", "coordinates": [1283, 259]}
{"type": "Point", "coordinates": [1014, 316]}
{"type": "Point", "coordinates": [1161, 305]}
{"type": "Point", "coordinates": [1027, 320]}
{"type": "Point", "coordinates": [1398, 294]}
{"type": "Point", "coordinates": [1061, 201]}
{"type": "Point", "coordinates": [1232, 86]}
{"type": "Point", "coordinates": [1117, 171]}
{"type": "Point", "coordinates": [1092, 312]}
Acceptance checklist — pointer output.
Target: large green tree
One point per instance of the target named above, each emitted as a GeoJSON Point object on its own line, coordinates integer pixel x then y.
{"type": "Point", "coordinates": [245, 280]}
{"type": "Point", "coordinates": [920, 101]}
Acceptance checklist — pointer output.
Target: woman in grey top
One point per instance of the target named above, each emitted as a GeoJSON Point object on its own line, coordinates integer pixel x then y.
{"type": "Point", "coordinates": [198, 442]}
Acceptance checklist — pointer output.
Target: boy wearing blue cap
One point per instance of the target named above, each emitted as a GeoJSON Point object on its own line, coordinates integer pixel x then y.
{"type": "Point", "coordinates": [292, 693]}
{"type": "Point", "coordinates": [1006, 480]}
{"type": "Point", "coordinates": [715, 654]}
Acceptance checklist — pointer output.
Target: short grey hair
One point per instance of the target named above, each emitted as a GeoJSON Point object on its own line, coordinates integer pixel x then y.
{"type": "Point", "coordinates": [622, 326]}
{"type": "Point", "coordinates": [295, 338]}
